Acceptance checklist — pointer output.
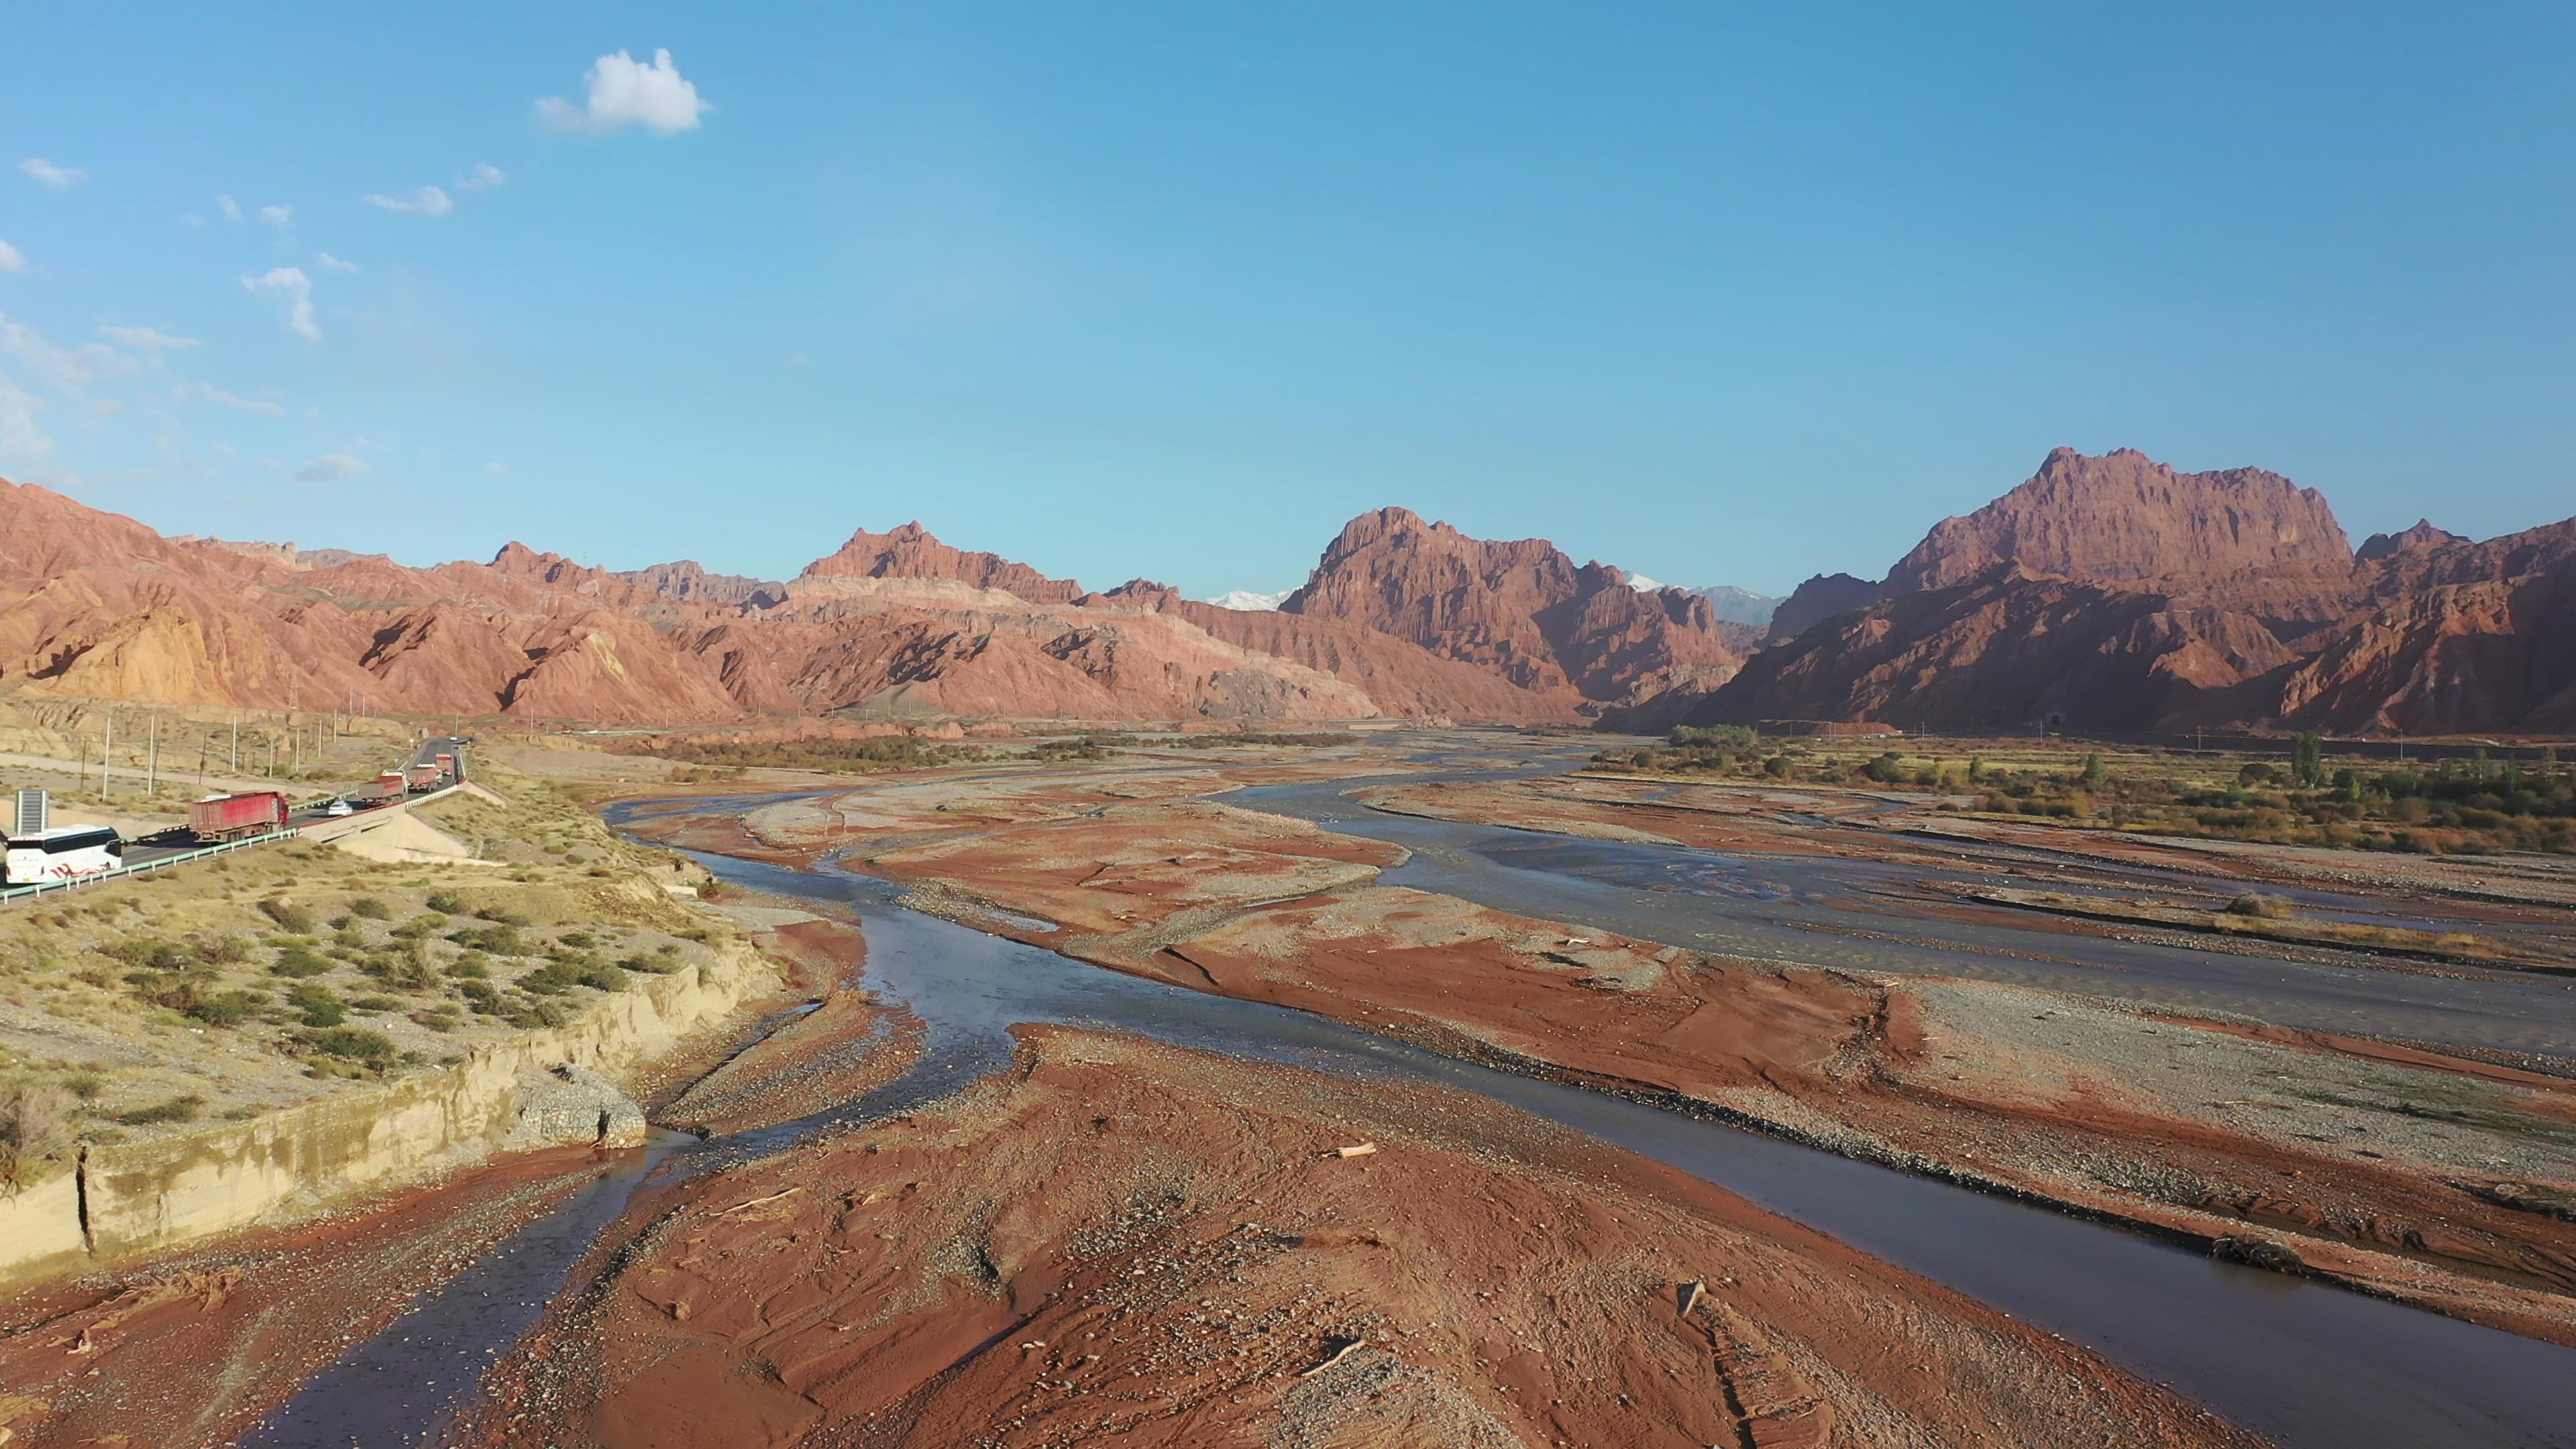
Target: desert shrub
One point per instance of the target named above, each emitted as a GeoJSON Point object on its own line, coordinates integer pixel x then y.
{"type": "Point", "coordinates": [177, 1109]}
{"type": "Point", "coordinates": [296, 963]}
{"type": "Point", "coordinates": [224, 1008]}
{"type": "Point", "coordinates": [2260, 907]}
{"type": "Point", "coordinates": [493, 940]}
{"type": "Point", "coordinates": [145, 954]}
{"type": "Point", "coordinates": [370, 908]}
{"type": "Point", "coordinates": [288, 915]}
{"type": "Point", "coordinates": [446, 902]}
{"type": "Point", "coordinates": [31, 1116]}
{"type": "Point", "coordinates": [220, 950]}
{"type": "Point", "coordinates": [353, 1043]}
{"type": "Point", "coordinates": [320, 1007]}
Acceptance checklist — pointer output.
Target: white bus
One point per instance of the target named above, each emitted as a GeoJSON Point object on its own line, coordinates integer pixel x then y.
{"type": "Point", "coordinates": [62, 854]}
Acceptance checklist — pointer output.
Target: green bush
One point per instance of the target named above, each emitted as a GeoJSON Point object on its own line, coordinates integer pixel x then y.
{"type": "Point", "coordinates": [353, 1043]}
{"type": "Point", "coordinates": [296, 963]}
{"type": "Point", "coordinates": [287, 914]}
{"type": "Point", "coordinates": [225, 1008]}
{"type": "Point", "coordinates": [371, 908]}
{"type": "Point", "coordinates": [177, 1109]}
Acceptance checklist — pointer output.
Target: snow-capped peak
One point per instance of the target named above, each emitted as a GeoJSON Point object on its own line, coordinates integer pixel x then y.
{"type": "Point", "coordinates": [1247, 600]}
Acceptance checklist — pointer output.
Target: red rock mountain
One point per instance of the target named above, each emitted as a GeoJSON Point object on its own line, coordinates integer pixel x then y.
{"type": "Point", "coordinates": [1521, 609]}
{"type": "Point", "coordinates": [897, 624]}
{"type": "Point", "coordinates": [2043, 608]}
{"type": "Point", "coordinates": [2125, 518]}
{"type": "Point", "coordinates": [2116, 594]}
{"type": "Point", "coordinates": [2422, 535]}
{"type": "Point", "coordinates": [910, 552]}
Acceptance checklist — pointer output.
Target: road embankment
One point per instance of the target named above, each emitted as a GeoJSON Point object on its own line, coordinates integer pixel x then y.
{"type": "Point", "coordinates": [124, 1200]}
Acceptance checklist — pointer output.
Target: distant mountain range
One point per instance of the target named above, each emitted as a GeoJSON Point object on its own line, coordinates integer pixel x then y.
{"type": "Point", "coordinates": [2106, 593]}
{"type": "Point", "coordinates": [1248, 601]}
{"type": "Point", "coordinates": [1732, 605]}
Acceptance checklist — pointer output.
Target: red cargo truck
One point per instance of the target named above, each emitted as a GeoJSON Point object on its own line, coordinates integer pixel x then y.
{"type": "Point", "coordinates": [422, 778]}
{"type": "Point", "coordinates": [237, 817]}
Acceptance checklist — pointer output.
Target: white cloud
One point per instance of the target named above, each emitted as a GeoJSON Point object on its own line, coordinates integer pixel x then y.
{"type": "Point", "coordinates": [146, 339]}
{"type": "Point", "coordinates": [484, 177]}
{"type": "Point", "coordinates": [297, 289]}
{"type": "Point", "coordinates": [192, 218]}
{"type": "Point", "coordinates": [19, 431]}
{"type": "Point", "coordinates": [626, 92]}
{"type": "Point", "coordinates": [495, 468]}
{"type": "Point", "coordinates": [331, 468]}
{"type": "Point", "coordinates": [331, 263]}
{"type": "Point", "coordinates": [230, 208]}
{"type": "Point", "coordinates": [209, 392]}
{"type": "Point", "coordinates": [108, 407]}
{"type": "Point", "coordinates": [427, 201]}
{"type": "Point", "coordinates": [65, 368]}
{"type": "Point", "coordinates": [12, 259]}
{"type": "Point", "coordinates": [58, 177]}
{"type": "Point", "coordinates": [280, 217]}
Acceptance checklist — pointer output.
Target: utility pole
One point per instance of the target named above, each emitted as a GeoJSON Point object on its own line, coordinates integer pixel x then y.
{"type": "Point", "coordinates": [152, 772]}
{"type": "Point", "coordinates": [237, 742]}
{"type": "Point", "coordinates": [106, 748]}
{"type": "Point", "coordinates": [272, 757]}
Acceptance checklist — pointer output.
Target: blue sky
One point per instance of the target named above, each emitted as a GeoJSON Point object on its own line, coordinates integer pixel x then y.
{"type": "Point", "coordinates": [1725, 295]}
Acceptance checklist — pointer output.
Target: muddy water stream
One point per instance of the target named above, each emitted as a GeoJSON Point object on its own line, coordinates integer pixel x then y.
{"type": "Point", "coordinates": [2303, 1364]}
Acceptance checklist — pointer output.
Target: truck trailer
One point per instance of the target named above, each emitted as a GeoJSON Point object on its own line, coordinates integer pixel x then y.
{"type": "Point", "coordinates": [237, 817]}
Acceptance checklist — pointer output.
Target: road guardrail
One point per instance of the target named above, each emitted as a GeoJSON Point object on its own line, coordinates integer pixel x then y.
{"type": "Point", "coordinates": [11, 894]}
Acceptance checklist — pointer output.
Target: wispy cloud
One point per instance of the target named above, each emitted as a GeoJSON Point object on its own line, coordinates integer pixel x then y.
{"type": "Point", "coordinates": [229, 207]}
{"type": "Point", "coordinates": [427, 201]}
{"type": "Point", "coordinates": [484, 177]}
{"type": "Point", "coordinates": [20, 433]}
{"type": "Point", "coordinates": [280, 217]}
{"type": "Point", "coordinates": [626, 92]}
{"type": "Point", "coordinates": [297, 289]}
{"type": "Point", "coordinates": [331, 263]}
{"type": "Point", "coordinates": [60, 178]}
{"type": "Point", "coordinates": [331, 468]}
{"type": "Point", "coordinates": [63, 368]}
{"type": "Point", "coordinates": [146, 339]}
{"type": "Point", "coordinates": [208, 392]}
{"type": "Point", "coordinates": [11, 259]}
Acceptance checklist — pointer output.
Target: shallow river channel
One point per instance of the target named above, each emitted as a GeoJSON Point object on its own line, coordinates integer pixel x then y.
{"type": "Point", "coordinates": [2303, 1364]}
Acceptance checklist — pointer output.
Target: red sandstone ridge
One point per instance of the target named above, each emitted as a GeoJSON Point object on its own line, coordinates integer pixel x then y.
{"type": "Point", "coordinates": [2422, 535]}
{"type": "Point", "coordinates": [2116, 594]}
{"type": "Point", "coordinates": [2124, 517]}
{"type": "Point", "coordinates": [910, 552]}
{"type": "Point", "coordinates": [93, 605]}
{"type": "Point", "coordinates": [1521, 609]}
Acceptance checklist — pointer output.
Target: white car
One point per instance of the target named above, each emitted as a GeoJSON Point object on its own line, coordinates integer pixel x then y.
{"type": "Point", "coordinates": [338, 808]}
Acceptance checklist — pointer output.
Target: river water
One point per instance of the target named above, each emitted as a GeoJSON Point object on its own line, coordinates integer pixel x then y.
{"type": "Point", "coordinates": [2303, 1364]}
{"type": "Point", "coordinates": [1804, 909]}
